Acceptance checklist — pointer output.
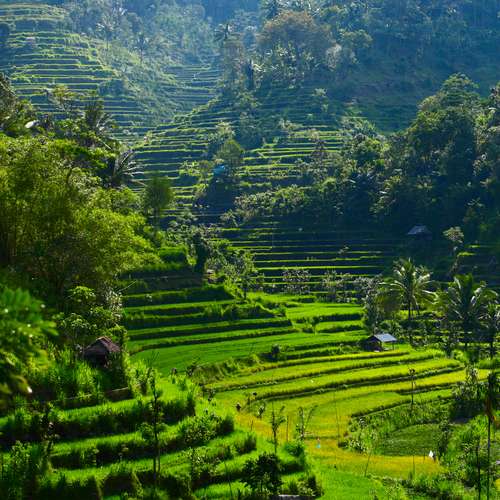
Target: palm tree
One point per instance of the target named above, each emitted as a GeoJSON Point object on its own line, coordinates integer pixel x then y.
{"type": "Point", "coordinates": [272, 9]}
{"type": "Point", "coordinates": [409, 284]}
{"type": "Point", "coordinates": [223, 33]}
{"type": "Point", "coordinates": [465, 304]}
{"type": "Point", "coordinates": [141, 44]}
{"type": "Point", "coordinates": [96, 120]}
{"type": "Point", "coordinates": [491, 325]}
{"type": "Point", "coordinates": [122, 169]}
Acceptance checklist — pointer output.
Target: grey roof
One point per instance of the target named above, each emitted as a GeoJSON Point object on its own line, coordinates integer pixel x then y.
{"type": "Point", "coordinates": [385, 337]}
{"type": "Point", "coordinates": [419, 230]}
{"type": "Point", "coordinates": [103, 346]}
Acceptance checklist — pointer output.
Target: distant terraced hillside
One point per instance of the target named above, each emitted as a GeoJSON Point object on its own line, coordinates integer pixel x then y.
{"type": "Point", "coordinates": [43, 52]}
{"type": "Point", "coordinates": [185, 139]}
{"type": "Point", "coordinates": [313, 250]}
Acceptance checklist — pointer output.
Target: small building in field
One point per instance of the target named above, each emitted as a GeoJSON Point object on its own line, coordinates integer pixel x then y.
{"type": "Point", "coordinates": [99, 352]}
{"type": "Point", "coordinates": [420, 232]}
{"type": "Point", "coordinates": [219, 170]}
{"type": "Point", "coordinates": [30, 42]}
{"type": "Point", "coordinates": [379, 341]}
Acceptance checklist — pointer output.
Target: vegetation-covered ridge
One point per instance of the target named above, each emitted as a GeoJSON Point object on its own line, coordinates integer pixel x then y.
{"type": "Point", "coordinates": [143, 76]}
{"type": "Point", "coordinates": [289, 288]}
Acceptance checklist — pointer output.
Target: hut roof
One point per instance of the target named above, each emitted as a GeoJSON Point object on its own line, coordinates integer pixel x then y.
{"type": "Point", "coordinates": [384, 337]}
{"type": "Point", "coordinates": [419, 230]}
{"type": "Point", "coordinates": [103, 346]}
{"type": "Point", "coordinates": [219, 170]}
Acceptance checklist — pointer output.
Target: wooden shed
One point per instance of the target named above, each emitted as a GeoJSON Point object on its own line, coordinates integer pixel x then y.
{"type": "Point", "coordinates": [99, 352]}
{"type": "Point", "coordinates": [379, 341]}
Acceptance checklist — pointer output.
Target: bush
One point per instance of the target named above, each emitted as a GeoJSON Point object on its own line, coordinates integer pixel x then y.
{"type": "Point", "coordinates": [225, 425]}
{"type": "Point", "coordinates": [263, 475]}
{"type": "Point", "coordinates": [247, 444]}
{"type": "Point", "coordinates": [81, 489]}
{"type": "Point", "coordinates": [306, 486]}
{"type": "Point", "coordinates": [65, 378]}
{"type": "Point", "coordinates": [123, 480]}
{"type": "Point", "coordinates": [178, 485]}
{"type": "Point", "coordinates": [102, 420]}
{"type": "Point", "coordinates": [439, 486]}
{"type": "Point", "coordinates": [198, 431]}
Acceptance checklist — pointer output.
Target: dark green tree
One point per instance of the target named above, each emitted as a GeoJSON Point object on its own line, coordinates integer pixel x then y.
{"type": "Point", "coordinates": [465, 304]}
{"type": "Point", "coordinates": [4, 35]}
{"type": "Point", "coordinates": [158, 195]}
{"type": "Point", "coordinates": [410, 285]}
{"type": "Point", "coordinates": [263, 475]}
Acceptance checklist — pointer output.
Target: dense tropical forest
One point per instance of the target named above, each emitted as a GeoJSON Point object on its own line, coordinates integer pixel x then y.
{"type": "Point", "coordinates": [249, 249]}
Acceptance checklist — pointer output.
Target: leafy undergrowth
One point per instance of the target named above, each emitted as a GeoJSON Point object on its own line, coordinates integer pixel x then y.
{"type": "Point", "coordinates": [229, 347]}
{"type": "Point", "coordinates": [416, 440]}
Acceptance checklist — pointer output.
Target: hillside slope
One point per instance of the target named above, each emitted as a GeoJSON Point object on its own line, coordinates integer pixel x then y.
{"type": "Point", "coordinates": [43, 51]}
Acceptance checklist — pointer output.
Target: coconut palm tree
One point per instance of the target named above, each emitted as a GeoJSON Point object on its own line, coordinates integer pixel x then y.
{"type": "Point", "coordinates": [272, 9]}
{"type": "Point", "coordinates": [491, 325]}
{"type": "Point", "coordinates": [122, 170]}
{"type": "Point", "coordinates": [223, 33]}
{"type": "Point", "coordinates": [410, 285]}
{"type": "Point", "coordinates": [95, 119]}
{"type": "Point", "coordinates": [465, 304]}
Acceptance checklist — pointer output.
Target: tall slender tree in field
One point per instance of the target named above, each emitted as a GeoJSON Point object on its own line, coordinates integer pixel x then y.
{"type": "Point", "coordinates": [465, 304]}
{"type": "Point", "coordinates": [158, 196]}
{"type": "Point", "coordinates": [410, 285]}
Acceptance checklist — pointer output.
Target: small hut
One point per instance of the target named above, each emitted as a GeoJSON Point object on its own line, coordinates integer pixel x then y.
{"type": "Point", "coordinates": [30, 42]}
{"type": "Point", "coordinates": [219, 170]}
{"type": "Point", "coordinates": [99, 352]}
{"type": "Point", "coordinates": [420, 232]}
{"type": "Point", "coordinates": [378, 341]}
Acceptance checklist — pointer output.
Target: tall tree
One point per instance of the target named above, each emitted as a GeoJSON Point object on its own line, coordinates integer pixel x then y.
{"type": "Point", "coordinates": [158, 195]}
{"type": "Point", "coordinates": [465, 304]}
{"type": "Point", "coordinates": [122, 169]}
{"type": "Point", "coordinates": [293, 44]}
{"type": "Point", "coordinates": [96, 123]}
{"type": "Point", "coordinates": [410, 284]}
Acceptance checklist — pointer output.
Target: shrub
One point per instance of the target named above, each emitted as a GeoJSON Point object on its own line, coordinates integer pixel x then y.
{"type": "Point", "coordinates": [178, 485]}
{"type": "Point", "coordinates": [198, 431]}
{"type": "Point", "coordinates": [305, 486]}
{"type": "Point", "coordinates": [225, 425]}
{"type": "Point", "coordinates": [247, 444]}
{"type": "Point", "coordinates": [263, 475]}
{"type": "Point", "coordinates": [101, 421]}
{"type": "Point", "coordinates": [153, 494]}
{"type": "Point", "coordinates": [81, 489]}
{"type": "Point", "coordinates": [123, 480]}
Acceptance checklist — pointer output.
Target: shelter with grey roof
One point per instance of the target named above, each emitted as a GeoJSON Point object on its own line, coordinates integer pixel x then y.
{"type": "Point", "coordinates": [99, 352]}
{"type": "Point", "coordinates": [378, 341]}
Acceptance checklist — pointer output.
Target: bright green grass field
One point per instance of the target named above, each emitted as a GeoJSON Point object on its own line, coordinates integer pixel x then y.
{"type": "Point", "coordinates": [181, 356]}
{"type": "Point", "coordinates": [416, 440]}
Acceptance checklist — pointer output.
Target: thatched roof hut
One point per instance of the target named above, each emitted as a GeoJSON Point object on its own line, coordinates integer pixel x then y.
{"type": "Point", "coordinates": [100, 351]}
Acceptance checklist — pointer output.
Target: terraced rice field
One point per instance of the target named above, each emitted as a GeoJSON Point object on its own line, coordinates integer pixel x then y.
{"type": "Point", "coordinates": [481, 261]}
{"type": "Point", "coordinates": [326, 370]}
{"type": "Point", "coordinates": [340, 388]}
{"type": "Point", "coordinates": [43, 53]}
{"type": "Point", "coordinates": [185, 139]}
{"type": "Point", "coordinates": [103, 444]}
{"type": "Point", "coordinates": [195, 324]}
{"type": "Point", "coordinates": [275, 248]}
